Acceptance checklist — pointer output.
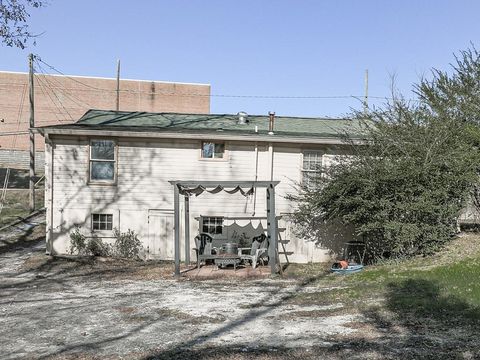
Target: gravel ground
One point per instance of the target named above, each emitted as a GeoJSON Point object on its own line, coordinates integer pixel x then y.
{"type": "Point", "coordinates": [108, 309]}
{"type": "Point", "coordinates": [62, 308]}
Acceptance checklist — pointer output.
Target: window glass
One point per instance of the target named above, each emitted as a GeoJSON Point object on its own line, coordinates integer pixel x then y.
{"type": "Point", "coordinates": [102, 150]}
{"type": "Point", "coordinates": [212, 225]}
{"type": "Point", "coordinates": [102, 221]}
{"type": "Point", "coordinates": [102, 170]}
{"type": "Point", "coordinates": [312, 166]}
{"type": "Point", "coordinates": [212, 150]}
{"type": "Point", "coordinates": [102, 160]}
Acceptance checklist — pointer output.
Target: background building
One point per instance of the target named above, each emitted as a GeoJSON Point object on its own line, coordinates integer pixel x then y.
{"type": "Point", "coordinates": [64, 99]}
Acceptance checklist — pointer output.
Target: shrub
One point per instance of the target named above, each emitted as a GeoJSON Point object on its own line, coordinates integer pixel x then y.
{"type": "Point", "coordinates": [78, 243]}
{"type": "Point", "coordinates": [97, 247]}
{"type": "Point", "coordinates": [412, 172]}
{"type": "Point", "coordinates": [127, 244]}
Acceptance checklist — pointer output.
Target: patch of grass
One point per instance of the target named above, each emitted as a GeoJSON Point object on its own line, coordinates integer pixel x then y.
{"type": "Point", "coordinates": [16, 204]}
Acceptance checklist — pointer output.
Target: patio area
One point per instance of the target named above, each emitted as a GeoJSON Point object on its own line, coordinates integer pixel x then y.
{"type": "Point", "coordinates": [212, 272]}
{"type": "Point", "coordinates": [263, 246]}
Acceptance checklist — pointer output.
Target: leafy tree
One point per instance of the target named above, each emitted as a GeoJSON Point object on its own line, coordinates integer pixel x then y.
{"type": "Point", "coordinates": [13, 21]}
{"type": "Point", "coordinates": [405, 184]}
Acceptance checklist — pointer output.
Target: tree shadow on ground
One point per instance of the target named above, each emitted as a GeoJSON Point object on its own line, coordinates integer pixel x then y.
{"type": "Point", "coordinates": [419, 321]}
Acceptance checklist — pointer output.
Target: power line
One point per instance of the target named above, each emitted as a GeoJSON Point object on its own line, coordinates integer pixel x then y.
{"type": "Point", "coordinates": [51, 99]}
{"type": "Point", "coordinates": [241, 96]}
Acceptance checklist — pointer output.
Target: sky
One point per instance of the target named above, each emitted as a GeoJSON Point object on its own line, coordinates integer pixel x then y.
{"type": "Point", "coordinates": [273, 48]}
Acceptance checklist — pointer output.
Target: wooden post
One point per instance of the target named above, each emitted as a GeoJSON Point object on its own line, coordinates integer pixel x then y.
{"type": "Point", "coordinates": [118, 86]}
{"type": "Point", "coordinates": [176, 207]}
{"type": "Point", "coordinates": [32, 136]}
{"type": "Point", "coordinates": [271, 229]}
{"type": "Point", "coordinates": [187, 229]}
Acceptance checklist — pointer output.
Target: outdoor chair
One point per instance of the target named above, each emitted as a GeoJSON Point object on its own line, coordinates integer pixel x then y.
{"type": "Point", "coordinates": [258, 251]}
{"type": "Point", "coordinates": [204, 249]}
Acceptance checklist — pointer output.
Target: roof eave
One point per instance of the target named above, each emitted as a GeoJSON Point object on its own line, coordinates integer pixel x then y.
{"type": "Point", "coordinates": [275, 138]}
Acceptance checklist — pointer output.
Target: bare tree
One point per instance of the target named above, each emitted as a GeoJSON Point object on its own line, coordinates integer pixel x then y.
{"type": "Point", "coordinates": [13, 21]}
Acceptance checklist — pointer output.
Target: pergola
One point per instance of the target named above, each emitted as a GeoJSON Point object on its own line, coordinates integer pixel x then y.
{"type": "Point", "coordinates": [194, 187]}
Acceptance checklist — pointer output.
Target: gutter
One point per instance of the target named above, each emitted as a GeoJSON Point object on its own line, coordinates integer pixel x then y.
{"type": "Point", "coordinates": [196, 136]}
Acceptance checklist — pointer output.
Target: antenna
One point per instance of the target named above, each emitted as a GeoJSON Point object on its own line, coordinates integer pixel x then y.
{"type": "Point", "coordinates": [365, 102]}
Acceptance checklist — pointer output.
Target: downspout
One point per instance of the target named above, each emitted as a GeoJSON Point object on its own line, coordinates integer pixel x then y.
{"type": "Point", "coordinates": [271, 124]}
{"type": "Point", "coordinates": [256, 178]}
{"type": "Point", "coordinates": [49, 187]}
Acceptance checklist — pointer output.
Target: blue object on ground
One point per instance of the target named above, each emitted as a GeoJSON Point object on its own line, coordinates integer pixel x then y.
{"type": "Point", "coordinates": [351, 269]}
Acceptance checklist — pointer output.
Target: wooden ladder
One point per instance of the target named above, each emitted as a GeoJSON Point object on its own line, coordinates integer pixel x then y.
{"type": "Point", "coordinates": [284, 252]}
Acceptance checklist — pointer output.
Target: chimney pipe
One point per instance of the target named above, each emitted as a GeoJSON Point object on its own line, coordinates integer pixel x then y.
{"type": "Point", "coordinates": [271, 115]}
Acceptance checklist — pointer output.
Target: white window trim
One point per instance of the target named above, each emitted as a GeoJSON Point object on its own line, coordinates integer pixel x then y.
{"type": "Point", "coordinates": [115, 162]}
{"type": "Point", "coordinates": [303, 171]}
{"type": "Point", "coordinates": [115, 222]}
{"type": "Point", "coordinates": [209, 217]}
{"type": "Point", "coordinates": [226, 153]}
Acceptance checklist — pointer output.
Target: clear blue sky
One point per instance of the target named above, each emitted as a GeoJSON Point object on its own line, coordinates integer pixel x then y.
{"type": "Point", "coordinates": [256, 47]}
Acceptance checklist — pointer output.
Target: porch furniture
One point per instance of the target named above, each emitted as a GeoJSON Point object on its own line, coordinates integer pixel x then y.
{"type": "Point", "coordinates": [204, 250]}
{"type": "Point", "coordinates": [258, 251]}
{"type": "Point", "coordinates": [230, 248]}
{"type": "Point", "coordinates": [227, 259]}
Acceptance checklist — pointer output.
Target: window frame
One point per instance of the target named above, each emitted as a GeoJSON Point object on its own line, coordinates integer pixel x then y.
{"type": "Point", "coordinates": [225, 151]}
{"type": "Point", "coordinates": [90, 161]}
{"type": "Point", "coordinates": [214, 224]}
{"type": "Point", "coordinates": [304, 171]}
{"type": "Point", "coordinates": [106, 222]}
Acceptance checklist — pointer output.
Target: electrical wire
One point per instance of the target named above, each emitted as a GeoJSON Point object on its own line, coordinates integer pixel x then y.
{"type": "Point", "coordinates": [243, 96]}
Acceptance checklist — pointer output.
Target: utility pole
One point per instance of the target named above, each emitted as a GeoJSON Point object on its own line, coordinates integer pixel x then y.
{"type": "Point", "coordinates": [32, 136]}
{"type": "Point", "coordinates": [118, 85]}
{"type": "Point", "coordinates": [365, 103]}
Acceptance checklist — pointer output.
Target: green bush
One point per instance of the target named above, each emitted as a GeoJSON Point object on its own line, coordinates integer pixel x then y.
{"type": "Point", "coordinates": [409, 174]}
{"type": "Point", "coordinates": [97, 247]}
{"type": "Point", "coordinates": [127, 244]}
{"type": "Point", "coordinates": [78, 243]}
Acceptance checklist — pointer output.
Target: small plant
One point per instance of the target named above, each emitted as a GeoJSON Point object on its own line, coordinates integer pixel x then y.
{"type": "Point", "coordinates": [97, 247]}
{"type": "Point", "coordinates": [127, 244]}
{"type": "Point", "coordinates": [78, 242]}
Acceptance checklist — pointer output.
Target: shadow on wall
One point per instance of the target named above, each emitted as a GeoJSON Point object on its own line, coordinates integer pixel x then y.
{"type": "Point", "coordinates": [330, 236]}
{"type": "Point", "coordinates": [101, 199]}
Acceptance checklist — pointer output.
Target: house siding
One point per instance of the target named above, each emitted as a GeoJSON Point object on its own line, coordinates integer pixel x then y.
{"type": "Point", "coordinates": [142, 197]}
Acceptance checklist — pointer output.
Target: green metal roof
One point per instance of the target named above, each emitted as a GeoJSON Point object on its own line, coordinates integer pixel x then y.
{"type": "Point", "coordinates": [204, 123]}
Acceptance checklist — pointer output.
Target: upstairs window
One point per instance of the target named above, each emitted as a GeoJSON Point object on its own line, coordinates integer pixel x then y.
{"type": "Point", "coordinates": [213, 150]}
{"type": "Point", "coordinates": [102, 221]}
{"type": "Point", "coordinates": [312, 166]}
{"type": "Point", "coordinates": [102, 160]}
{"type": "Point", "coordinates": [212, 225]}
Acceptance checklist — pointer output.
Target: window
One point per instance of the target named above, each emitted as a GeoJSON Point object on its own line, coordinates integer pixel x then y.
{"type": "Point", "coordinates": [102, 160]}
{"type": "Point", "coordinates": [212, 225]}
{"type": "Point", "coordinates": [312, 165]}
{"type": "Point", "coordinates": [211, 150]}
{"type": "Point", "coordinates": [102, 221]}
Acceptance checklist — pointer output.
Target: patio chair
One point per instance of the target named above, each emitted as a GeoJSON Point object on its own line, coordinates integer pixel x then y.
{"type": "Point", "coordinates": [204, 249]}
{"type": "Point", "coordinates": [258, 251]}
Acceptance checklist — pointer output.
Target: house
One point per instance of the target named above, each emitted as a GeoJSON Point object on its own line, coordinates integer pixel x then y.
{"type": "Point", "coordinates": [61, 99]}
{"type": "Point", "coordinates": [114, 170]}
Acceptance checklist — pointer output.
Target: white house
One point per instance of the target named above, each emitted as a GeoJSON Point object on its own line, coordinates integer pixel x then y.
{"type": "Point", "coordinates": [113, 170]}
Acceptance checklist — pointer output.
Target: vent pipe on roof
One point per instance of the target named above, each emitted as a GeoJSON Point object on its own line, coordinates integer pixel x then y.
{"type": "Point", "coordinates": [242, 118]}
{"type": "Point", "coordinates": [271, 122]}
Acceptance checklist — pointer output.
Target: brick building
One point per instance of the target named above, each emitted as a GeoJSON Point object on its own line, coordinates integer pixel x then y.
{"type": "Point", "coordinates": [64, 99]}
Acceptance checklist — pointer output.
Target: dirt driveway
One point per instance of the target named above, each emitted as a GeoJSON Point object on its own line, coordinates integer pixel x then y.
{"type": "Point", "coordinates": [81, 309]}
{"type": "Point", "coordinates": [52, 310]}
{"type": "Point", "coordinates": [99, 308]}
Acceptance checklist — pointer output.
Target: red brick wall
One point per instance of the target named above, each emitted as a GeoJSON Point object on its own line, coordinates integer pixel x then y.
{"type": "Point", "coordinates": [60, 99]}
